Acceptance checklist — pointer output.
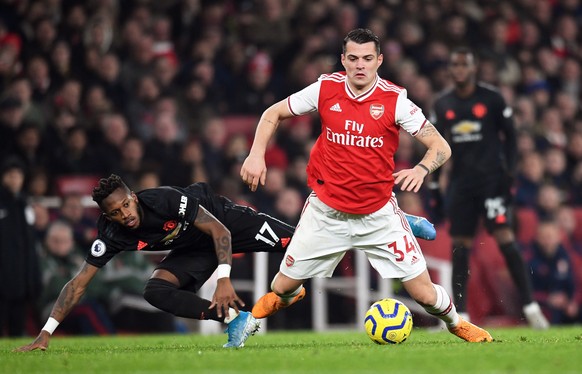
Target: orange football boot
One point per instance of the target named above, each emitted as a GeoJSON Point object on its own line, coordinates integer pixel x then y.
{"type": "Point", "coordinates": [270, 304]}
{"type": "Point", "coordinates": [471, 333]}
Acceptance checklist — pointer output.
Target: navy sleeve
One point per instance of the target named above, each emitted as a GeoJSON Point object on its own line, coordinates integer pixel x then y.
{"type": "Point", "coordinates": [101, 252]}
{"type": "Point", "coordinates": [510, 135]}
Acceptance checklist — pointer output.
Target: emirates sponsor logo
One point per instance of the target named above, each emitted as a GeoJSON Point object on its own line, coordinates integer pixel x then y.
{"type": "Point", "coordinates": [289, 261]}
{"type": "Point", "coordinates": [353, 135]}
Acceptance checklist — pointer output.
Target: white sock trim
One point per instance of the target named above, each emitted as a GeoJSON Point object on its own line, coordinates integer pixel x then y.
{"type": "Point", "coordinates": [232, 314]}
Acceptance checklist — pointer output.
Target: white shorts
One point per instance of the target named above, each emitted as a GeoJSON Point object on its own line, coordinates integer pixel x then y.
{"type": "Point", "coordinates": [323, 236]}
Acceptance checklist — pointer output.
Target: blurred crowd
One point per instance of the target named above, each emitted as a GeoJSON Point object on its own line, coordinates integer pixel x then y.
{"type": "Point", "coordinates": [168, 93]}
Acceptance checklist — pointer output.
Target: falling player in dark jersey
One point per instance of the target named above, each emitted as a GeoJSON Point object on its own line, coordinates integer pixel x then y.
{"type": "Point", "coordinates": [479, 127]}
{"type": "Point", "coordinates": [199, 228]}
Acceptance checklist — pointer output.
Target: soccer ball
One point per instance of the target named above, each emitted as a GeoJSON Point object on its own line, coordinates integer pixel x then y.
{"type": "Point", "coordinates": [388, 321]}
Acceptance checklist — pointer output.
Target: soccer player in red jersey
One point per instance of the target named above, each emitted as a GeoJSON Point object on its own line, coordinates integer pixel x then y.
{"type": "Point", "coordinates": [351, 172]}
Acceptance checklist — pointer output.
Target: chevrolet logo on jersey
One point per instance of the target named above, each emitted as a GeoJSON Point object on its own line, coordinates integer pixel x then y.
{"type": "Point", "coordinates": [466, 131]}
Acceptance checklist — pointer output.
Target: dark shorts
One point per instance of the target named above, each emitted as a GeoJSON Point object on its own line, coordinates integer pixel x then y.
{"type": "Point", "coordinates": [250, 232]}
{"type": "Point", "coordinates": [469, 201]}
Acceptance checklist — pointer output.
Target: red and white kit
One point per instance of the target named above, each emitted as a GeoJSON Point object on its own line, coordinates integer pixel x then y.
{"type": "Point", "coordinates": [350, 170]}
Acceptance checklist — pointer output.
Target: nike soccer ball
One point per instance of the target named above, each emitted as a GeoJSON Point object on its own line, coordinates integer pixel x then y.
{"type": "Point", "coordinates": [388, 321]}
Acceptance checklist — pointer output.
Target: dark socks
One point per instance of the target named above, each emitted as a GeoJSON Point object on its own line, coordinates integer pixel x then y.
{"type": "Point", "coordinates": [517, 269]}
{"type": "Point", "coordinates": [460, 276]}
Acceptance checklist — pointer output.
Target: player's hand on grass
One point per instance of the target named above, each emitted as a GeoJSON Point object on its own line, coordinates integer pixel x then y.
{"type": "Point", "coordinates": [41, 342]}
{"type": "Point", "coordinates": [225, 297]}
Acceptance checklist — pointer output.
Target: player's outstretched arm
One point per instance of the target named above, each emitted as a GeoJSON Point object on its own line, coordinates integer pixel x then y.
{"type": "Point", "coordinates": [68, 298]}
{"type": "Point", "coordinates": [225, 296]}
{"type": "Point", "coordinates": [254, 170]}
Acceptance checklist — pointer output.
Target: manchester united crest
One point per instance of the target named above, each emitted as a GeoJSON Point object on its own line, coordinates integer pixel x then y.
{"type": "Point", "coordinates": [376, 110]}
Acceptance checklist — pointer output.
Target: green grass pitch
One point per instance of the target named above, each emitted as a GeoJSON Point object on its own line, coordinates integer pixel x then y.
{"type": "Point", "coordinates": [515, 350]}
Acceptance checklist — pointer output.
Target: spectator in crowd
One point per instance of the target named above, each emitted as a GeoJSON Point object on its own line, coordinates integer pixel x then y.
{"type": "Point", "coordinates": [113, 130]}
{"type": "Point", "coordinates": [124, 279]}
{"type": "Point", "coordinates": [530, 177]}
{"type": "Point", "coordinates": [28, 147]}
{"type": "Point", "coordinates": [260, 87]}
{"type": "Point", "coordinates": [570, 228]}
{"type": "Point", "coordinates": [95, 105]}
{"type": "Point", "coordinates": [552, 275]}
{"type": "Point", "coordinates": [33, 112]}
{"type": "Point", "coordinates": [555, 169]}
{"type": "Point", "coordinates": [78, 156]}
{"type": "Point", "coordinates": [11, 119]}
{"type": "Point", "coordinates": [132, 161]}
{"type": "Point", "coordinates": [61, 259]}
{"type": "Point", "coordinates": [549, 200]}
{"type": "Point", "coordinates": [73, 212]}
{"type": "Point", "coordinates": [141, 106]}
{"type": "Point", "coordinates": [165, 148]}
{"type": "Point", "coordinates": [19, 263]}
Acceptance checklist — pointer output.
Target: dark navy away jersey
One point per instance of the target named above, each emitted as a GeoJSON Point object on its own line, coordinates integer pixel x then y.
{"type": "Point", "coordinates": [480, 131]}
{"type": "Point", "coordinates": [167, 224]}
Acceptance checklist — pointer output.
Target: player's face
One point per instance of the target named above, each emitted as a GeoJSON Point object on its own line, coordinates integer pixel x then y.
{"type": "Point", "coordinates": [462, 68]}
{"type": "Point", "coordinates": [122, 207]}
{"type": "Point", "coordinates": [361, 63]}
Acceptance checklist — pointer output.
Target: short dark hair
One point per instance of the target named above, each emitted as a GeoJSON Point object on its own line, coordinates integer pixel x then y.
{"type": "Point", "coordinates": [361, 36]}
{"type": "Point", "coordinates": [464, 50]}
{"type": "Point", "coordinates": [107, 186]}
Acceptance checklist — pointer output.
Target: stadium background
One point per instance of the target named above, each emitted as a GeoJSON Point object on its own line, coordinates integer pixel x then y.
{"type": "Point", "coordinates": [168, 92]}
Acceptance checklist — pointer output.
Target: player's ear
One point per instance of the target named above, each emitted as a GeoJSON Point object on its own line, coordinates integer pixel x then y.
{"type": "Point", "coordinates": [134, 196]}
{"type": "Point", "coordinates": [106, 216]}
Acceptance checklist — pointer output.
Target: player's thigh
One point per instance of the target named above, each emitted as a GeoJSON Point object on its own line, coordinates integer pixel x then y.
{"type": "Point", "coordinates": [386, 238]}
{"type": "Point", "coordinates": [320, 241]}
{"type": "Point", "coordinates": [192, 269]}
{"type": "Point", "coordinates": [256, 232]}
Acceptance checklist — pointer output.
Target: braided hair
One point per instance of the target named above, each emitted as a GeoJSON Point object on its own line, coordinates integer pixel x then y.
{"type": "Point", "coordinates": [107, 186]}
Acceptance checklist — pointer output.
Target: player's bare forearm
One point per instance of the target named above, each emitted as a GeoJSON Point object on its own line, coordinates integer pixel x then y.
{"type": "Point", "coordinates": [208, 224]}
{"type": "Point", "coordinates": [68, 298]}
{"type": "Point", "coordinates": [222, 244]}
{"type": "Point", "coordinates": [254, 170]}
{"type": "Point", "coordinates": [72, 293]}
{"type": "Point", "coordinates": [438, 150]}
{"type": "Point", "coordinates": [268, 124]}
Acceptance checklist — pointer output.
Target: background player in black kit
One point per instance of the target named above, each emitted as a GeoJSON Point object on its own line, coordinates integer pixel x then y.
{"type": "Point", "coordinates": [201, 230]}
{"type": "Point", "coordinates": [479, 127]}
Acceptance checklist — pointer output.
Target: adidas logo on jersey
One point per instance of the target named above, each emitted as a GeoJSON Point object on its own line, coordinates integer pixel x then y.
{"type": "Point", "coordinates": [335, 108]}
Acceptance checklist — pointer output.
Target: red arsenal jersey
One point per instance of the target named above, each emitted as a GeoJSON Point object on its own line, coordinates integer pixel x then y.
{"type": "Point", "coordinates": [351, 164]}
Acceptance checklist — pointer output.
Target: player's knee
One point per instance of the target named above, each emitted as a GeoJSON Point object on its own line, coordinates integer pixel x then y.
{"type": "Point", "coordinates": [158, 292]}
{"type": "Point", "coordinates": [285, 286]}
